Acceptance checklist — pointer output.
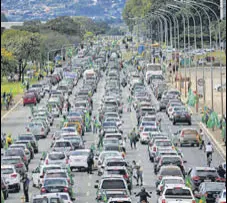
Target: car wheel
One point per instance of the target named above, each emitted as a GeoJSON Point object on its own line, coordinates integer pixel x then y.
{"type": "Point", "coordinates": [23, 104]}
{"type": "Point", "coordinates": [190, 123]}
{"type": "Point", "coordinates": [18, 188]}
{"type": "Point", "coordinates": [219, 89]}
{"type": "Point", "coordinates": [174, 122]}
{"type": "Point", "coordinates": [5, 195]}
{"type": "Point", "coordinates": [181, 145]}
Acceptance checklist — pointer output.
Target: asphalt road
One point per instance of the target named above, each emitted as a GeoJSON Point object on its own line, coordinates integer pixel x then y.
{"type": "Point", "coordinates": [84, 185]}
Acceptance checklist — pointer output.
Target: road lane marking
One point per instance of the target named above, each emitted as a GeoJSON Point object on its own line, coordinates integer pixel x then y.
{"type": "Point", "coordinates": [12, 109]}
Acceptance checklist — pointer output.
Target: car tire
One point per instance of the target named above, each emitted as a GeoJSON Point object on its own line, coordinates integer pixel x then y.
{"type": "Point", "coordinates": [190, 123]}
{"type": "Point", "coordinates": [5, 194]}
{"type": "Point", "coordinates": [219, 89]}
{"type": "Point", "coordinates": [23, 104]}
{"type": "Point", "coordinates": [174, 122]}
{"type": "Point", "coordinates": [18, 188]}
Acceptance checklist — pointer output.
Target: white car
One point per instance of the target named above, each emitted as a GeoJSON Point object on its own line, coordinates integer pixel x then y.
{"type": "Point", "coordinates": [56, 158]}
{"type": "Point", "coordinates": [117, 120]}
{"type": "Point", "coordinates": [39, 172]}
{"type": "Point", "coordinates": [220, 87]}
{"type": "Point", "coordinates": [121, 199]}
{"type": "Point", "coordinates": [47, 198]}
{"type": "Point", "coordinates": [78, 159]}
{"type": "Point", "coordinates": [12, 178]}
{"type": "Point", "coordinates": [65, 197]}
{"type": "Point", "coordinates": [63, 146]}
{"type": "Point", "coordinates": [169, 180]}
{"type": "Point", "coordinates": [176, 193]}
{"type": "Point", "coordinates": [222, 197]}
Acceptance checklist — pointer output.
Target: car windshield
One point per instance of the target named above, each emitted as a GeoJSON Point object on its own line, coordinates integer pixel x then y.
{"type": "Point", "coordinates": [214, 186]}
{"type": "Point", "coordinates": [56, 175]}
{"type": "Point", "coordinates": [151, 130]}
{"type": "Point", "coordinates": [171, 172]}
{"type": "Point", "coordinates": [206, 173]}
{"type": "Point", "coordinates": [109, 124]}
{"type": "Point", "coordinates": [116, 172]}
{"type": "Point", "coordinates": [25, 138]}
{"type": "Point", "coordinates": [64, 197]}
{"type": "Point", "coordinates": [10, 161]}
{"type": "Point", "coordinates": [56, 156]}
{"type": "Point", "coordinates": [116, 163]}
{"type": "Point", "coordinates": [173, 181]}
{"type": "Point", "coordinates": [171, 160]}
{"type": "Point", "coordinates": [148, 123]}
{"type": "Point", "coordinates": [178, 192]}
{"type": "Point", "coordinates": [55, 181]}
{"type": "Point", "coordinates": [14, 152]}
{"type": "Point", "coordinates": [113, 185]}
{"type": "Point", "coordinates": [6, 170]}
{"type": "Point", "coordinates": [33, 125]}
{"type": "Point", "coordinates": [62, 144]}
{"type": "Point", "coordinates": [79, 153]}
{"type": "Point", "coordinates": [163, 143]}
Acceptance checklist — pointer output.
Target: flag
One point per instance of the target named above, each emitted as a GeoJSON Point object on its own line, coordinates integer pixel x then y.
{"type": "Point", "coordinates": [213, 120]}
{"type": "Point", "coordinates": [188, 182]}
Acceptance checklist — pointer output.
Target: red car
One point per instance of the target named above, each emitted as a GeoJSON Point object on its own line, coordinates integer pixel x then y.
{"type": "Point", "coordinates": [29, 98]}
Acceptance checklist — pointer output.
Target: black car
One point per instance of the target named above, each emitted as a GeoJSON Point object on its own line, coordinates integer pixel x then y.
{"type": "Point", "coordinates": [210, 190]}
{"type": "Point", "coordinates": [31, 138]}
{"type": "Point", "coordinates": [182, 117]}
{"type": "Point", "coordinates": [199, 175]}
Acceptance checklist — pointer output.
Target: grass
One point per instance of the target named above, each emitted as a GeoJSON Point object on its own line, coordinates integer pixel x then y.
{"type": "Point", "coordinates": [16, 87]}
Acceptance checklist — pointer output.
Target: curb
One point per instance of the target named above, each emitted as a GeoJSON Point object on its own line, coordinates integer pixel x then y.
{"type": "Point", "coordinates": [217, 145]}
{"type": "Point", "coordinates": [14, 107]}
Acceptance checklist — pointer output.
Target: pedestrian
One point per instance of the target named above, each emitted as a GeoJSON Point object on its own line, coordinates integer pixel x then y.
{"type": "Point", "coordinates": [100, 143]}
{"type": "Point", "coordinates": [26, 182]}
{"type": "Point", "coordinates": [209, 150]}
{"type": "Point", "coordinates": [94, 120]}
{"type": "Point", "coordinates": [9, 140]}
{"type": "Point", "coordinates": [138, 173]}
{"type": "Point", "coordinates": [129, 104]}
{"type": "Point", "coordinates": [87, 121]}
{"type": "Point", "coordinates": [90, 162]}
{"type": "Point", "coordinates": [133, 138]}
{"type": "Point", "coordinates": [27, 85]}
{"type": "Point", "coordinates": [202, 139]}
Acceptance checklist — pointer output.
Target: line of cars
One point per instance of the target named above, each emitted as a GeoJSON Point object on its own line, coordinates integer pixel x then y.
{"type": "Point", "coordinates": [115, 183]}
{"type": "Point", "coordinates": [174, 183]}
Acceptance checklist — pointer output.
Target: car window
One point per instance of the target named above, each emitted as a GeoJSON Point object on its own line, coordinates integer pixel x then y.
{"type": "Point", "coordinates": [171, 172]}
{"type": "Point", "coordinates": [79, 153]}
{"type": "Point", "coordinates": [178, 192]}
{"type": "Point", "coordinates": [206, 173]}
{"type": "Point", "coordinates": [6, 170]}
{"type": "Point", "coordinates": [116, 172]}
{"type": "Point", "coordinates": [55, 182]}
{"type": "Point", "coordinates": [62, 144]}
{"type": "Point", "coordinates": [56, 156]}
{"type": "Point", "coordinates": [54, 175]}
{"type": "Point", "coordinates": [215, 186]}
{"type": "Point", "coordinates": [113, 184]}
{"type": "Point", "coordinates": [40, 200]}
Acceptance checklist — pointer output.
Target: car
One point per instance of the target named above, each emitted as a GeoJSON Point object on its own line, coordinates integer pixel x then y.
{"type": "Point", "coordinates": [24, 148]}
{"type": "Point", "coordinates": [65, 197]}
{"type": "Point", "coordinates": [16, 161]}
{"type": "Point", "coordinates": [39, 172]}
{"type": "Point", "coordinates": [59, 173]}
{"type": "Point", "coordinates": [38, 129]}
{"type": "Point", "coordinates": [158, 143]}
{"type": "Point", "coordinates": [198, 175]}
{"type": "Point", "coordinates": [78, 159]}
{"type": "Point", "coordinates": [169, 180]}
{"type": "Point", "coordinates": [176, 109]}
{"type": "Point", "coordinates": [28, 145]}
{"type": "Point", "coordinates": [169, 171]}
{"type": "Point", "coordinates": [210, 190]}
{"type": "Point", "coordinates": [182, 116]}
{"type": "Point", "coordinates": [53, 185]}
{"type": "Point", "coordinates": [17, 152]}
{"type": "Point", "coordinates": [4, 188]}
{"type": "Point", "coordinates": [30, 137]}
{"type": "Point", "coordinates": [173, 160]}
{"type": "Point", "coordinates": [175, 193]}
{"type": "Point", "coordinates": [12, 178]}
{"type": "Point", "coordinates": [63, 146]}
{"type": "Point", "coordinates": [29, 98]}
{"type": "Point", "coordinates": [56, 158]}
{"type": "Point", "coordinates": [121, 171]}
{"type": "Point", "coordinates": [111, 194]}
{"type": "Point", "coordinates": [221, 197]}
{"type": "Point", "coordinates": [186, 136]}
{"type": "Point", "coordinates": [77, 141]}
{"type": "Point", "coordinates": [48, 198]}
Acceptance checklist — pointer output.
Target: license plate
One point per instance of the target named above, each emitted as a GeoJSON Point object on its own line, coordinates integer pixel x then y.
{"type": "Point", "coordinates": [207, 180]}
{"type": "Point", "coordinates": [54, 190]}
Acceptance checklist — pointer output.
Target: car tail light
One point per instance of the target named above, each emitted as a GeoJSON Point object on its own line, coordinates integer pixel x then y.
{"type": "Point", "coordinates": [65, 189]}
{"type": "Point", "coordinates": [25, 158]}
{"type": "Point", "coordinates": [150, 144]}
{"type": "Point", "coordinates": [196, 178]}
{"type": "Point", "coordinates": [126, 176]}
{"type": "Point", "coordinates": [47, 161]}
{"type": "Point", "coordinates": [43, 190]}
{"type": "Point", "coordinates": [163, 201]}
{"type": "Point", "coordinates": [14, 175]}
{"type": "Point", "coordinates": [193, 201]}
{"type": "Point", "coordinates": [20, 165]}
{"type": "Point", "coordinates": [182, 134]}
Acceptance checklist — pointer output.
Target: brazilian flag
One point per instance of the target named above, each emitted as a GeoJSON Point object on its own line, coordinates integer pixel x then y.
{"type": "Point", "coordinates": [188, 182]}
{"type": "Point", "coordinates": [213, 120]}
{"type": "Point", "coordinates": [202, 200]}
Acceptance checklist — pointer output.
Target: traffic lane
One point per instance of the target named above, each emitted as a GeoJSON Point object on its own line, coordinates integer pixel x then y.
{"type": "Point", "coordinates": [84, 183]}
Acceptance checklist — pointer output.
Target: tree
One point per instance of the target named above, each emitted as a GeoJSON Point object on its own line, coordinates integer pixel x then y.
{"type": "Point", "coordinates": [24, 45]}
{"type": "Point", "coordinates": [8, 62]}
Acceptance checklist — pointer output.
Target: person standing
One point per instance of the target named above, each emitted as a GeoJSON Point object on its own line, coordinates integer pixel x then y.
{"type": "Point", "coordinates": [90, 162]}
{"type": "Point", "coordinates": [26, 182]}
{"type": "Point", "coordinates": [202, 139]}
{"type": "Point", "coordinates": [133, 137]}
{"type": "Point", "coordinates": [94, 120]}
{"type": "Point", "coordinates": [138, 173]}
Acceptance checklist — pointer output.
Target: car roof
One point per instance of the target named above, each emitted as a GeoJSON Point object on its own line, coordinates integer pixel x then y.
{"type": "Point", "coordinates": [172, 186]}
{"type": "Point", "coordinates": [7, 166]}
